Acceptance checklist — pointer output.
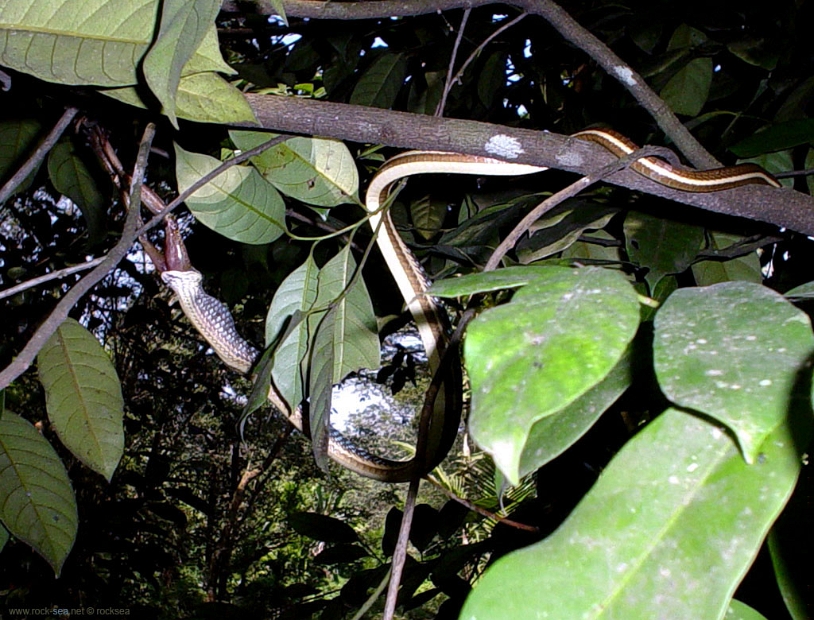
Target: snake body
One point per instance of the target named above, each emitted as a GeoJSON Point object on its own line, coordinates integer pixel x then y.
{"type": "Point", "coordinates": [214, 321]}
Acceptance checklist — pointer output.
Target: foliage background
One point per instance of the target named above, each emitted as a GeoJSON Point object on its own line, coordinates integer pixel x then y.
{"type": "Point", "coordinates": [182, 529]}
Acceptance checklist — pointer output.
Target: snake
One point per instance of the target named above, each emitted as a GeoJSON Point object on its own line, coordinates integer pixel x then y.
{"type": "Point", "coordinates": [214, 322]}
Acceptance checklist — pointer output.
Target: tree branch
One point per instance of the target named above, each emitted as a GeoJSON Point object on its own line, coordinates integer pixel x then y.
{"type": "Point", "coordinates": [781, 207]}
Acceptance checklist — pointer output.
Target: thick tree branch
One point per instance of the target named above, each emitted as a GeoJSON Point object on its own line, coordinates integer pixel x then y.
{"type": "Point", "coordinates": [781, 207]}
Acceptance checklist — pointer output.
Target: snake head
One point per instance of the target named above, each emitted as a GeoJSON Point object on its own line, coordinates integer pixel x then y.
{"type": "Point", "coordinates": [175, 252]}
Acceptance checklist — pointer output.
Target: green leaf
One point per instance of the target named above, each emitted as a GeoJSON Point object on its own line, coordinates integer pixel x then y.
{"type": "Point", "coordinates": [202, 97]}
{"type": "Point", "coordinates": [297, 293]}
{"type": "Point", "coordinates": [183, 26]}
{"type": "Point", "coordinates": [741, 611]}
{"type": "Point", "coordinates": [733, 351]}
{"type": "Point", "coordinates": [380, 84]}
{"type": "Point", "coordinates": [355, 334]}
{"type": "Point", "coordinates": [745, 268]}
{"type": "Point", "coordinates": [605, 250]}
{"type": "Point", "coordinates": [553, 435]}
{"type": "Point", "coordinates": [320, 386]}
{"type": "Point", "coordinates": [83, 397]}
{"type": "Point", "coordinates": [560, 229]}
{"type": "Point", "coordinates": [37, 503]}
{"type": "Point", "coordinates": [345, 340]}
{"type": "Point", "coordinates": [340, 554]}
{"type": "Point", "coordinates": [492, 77]}
{"type": "Point", "coordinates": [279, 8]}
{"type": "Point", "coordinates": [428, 216]}
{"type": "Point", "coordinates": [486, 282]}
{"type": "Point", "coordinates": [70, 176]}
{"type": "Point", "coordinates": [208, 98]}
{"type": "Point", "coordinates": [531, 358]}
{"type": "Point", "coordinates": [322, 527]}
{"type": "Point", "coordinates": [661, 246]}
{"type": "Point", "coordinates": [802, 292]}
{"type": "Point", "coordinates": [675, 512]}
{"type": "Point", "coordinates": [17, 139]}
{"type": "Point", "coordinates": [207, 58]}
{"type": "Point", "coordinates": [313, 170]}
{"type": "Point", "coordinates": [238, 203]}
{"type": "Point", "coordinates": [83, 42]}
{"type": "Point", "coordinates": [778, 137]}
{"type": "Point", "coordinates": [688, 90]}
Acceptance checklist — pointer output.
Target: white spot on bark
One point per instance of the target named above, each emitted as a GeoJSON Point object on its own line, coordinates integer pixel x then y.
{"type": "Point", "coordinates": [625, 74]}
{"type": "Point", "coordinates": [505, 147]}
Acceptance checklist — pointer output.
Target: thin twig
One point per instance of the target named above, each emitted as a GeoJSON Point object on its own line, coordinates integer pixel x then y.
{"type": "Point", "coordinates": [400, 552]}
{"type": "Point", "coordinates": [794, 173]}
{"type": "Point", "coordinates": [373, 597]}
{"type": "Point", "coordinates": [54, 275]}
{"type": "Point", "coordinates": [38, 155]}
{"type": "Point", "coordinates": [486, 42]}
{"type": "Point", "coordinates": [439, 109]}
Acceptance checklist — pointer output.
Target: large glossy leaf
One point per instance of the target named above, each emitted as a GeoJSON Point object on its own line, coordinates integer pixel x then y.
{"type": "Point", "coordinates": [723, 348]}
{"type": "Point", "coordinates": [320, 386]}
{"type": "Point", "coordinates": [355, 333]}
{"type": "Point", "coordinates": [88, 42]}
{"type": "Point", "coordinates": [668, 531]}
{"type": "Point", "coordinates": [71, 177]}
{"type": "Point", "coordinates": [238, 204]}
{"type": "Point", "coordinates": [184, 24]}
{"type": "Point", "coordinates": [37, 503]}
{"type": "Point", "coordinates": [83, 397]}
{"type": "Point", "coordinates": [529, 359]}
{"type": "Point", "coordinates": [315, 171]}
